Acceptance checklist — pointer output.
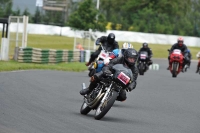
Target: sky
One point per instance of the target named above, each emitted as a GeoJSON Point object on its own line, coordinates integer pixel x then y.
{"type": "Point", "coordinates": [23, 4]}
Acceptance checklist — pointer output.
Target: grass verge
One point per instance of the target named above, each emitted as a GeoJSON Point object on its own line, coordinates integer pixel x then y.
{"type": "Point", "coordinates": [14, 65]}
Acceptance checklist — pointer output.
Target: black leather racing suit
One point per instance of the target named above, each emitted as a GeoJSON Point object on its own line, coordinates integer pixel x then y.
{"type": "Point", "coordinates": [118, 60]}
{"type": "Point", "coordinates": [106, 46]}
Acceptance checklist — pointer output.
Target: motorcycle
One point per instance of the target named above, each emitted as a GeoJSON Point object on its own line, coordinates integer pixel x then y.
{"type": "Point", "coordinates": [103, 58]}
{"type": "Point", "coordinates": [176, 62]}
{"type": "Point", "coordinates": [104, 95]}
{"type": "Point", "coordinates": [143, 62]}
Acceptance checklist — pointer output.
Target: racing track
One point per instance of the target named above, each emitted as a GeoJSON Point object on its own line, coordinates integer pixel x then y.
{"type": "Point", "coordinates": [38, 101]}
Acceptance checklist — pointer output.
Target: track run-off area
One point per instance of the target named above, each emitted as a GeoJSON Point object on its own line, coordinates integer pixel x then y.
{"type": "Point", "coordinates": [45, 101]}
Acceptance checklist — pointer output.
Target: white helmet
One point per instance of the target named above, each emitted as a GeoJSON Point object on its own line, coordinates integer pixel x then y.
{"type": "Point", "coordinates": [127, 45]}
{"type": "Point", "coordinates": [124, 47]}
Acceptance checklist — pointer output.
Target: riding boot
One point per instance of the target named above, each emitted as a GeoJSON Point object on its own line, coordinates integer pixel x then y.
{"type": "Point", "coordinates": [92, 85]}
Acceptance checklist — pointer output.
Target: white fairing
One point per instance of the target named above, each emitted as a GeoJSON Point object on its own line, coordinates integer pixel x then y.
{"type": "Point", "coordinates": [198, 55]}
{"type": "Point", "coordinates": [103, 54]}
{"type": "Point", "coordinates": [107, 60]}
{"type": "Point", "coordinates": [177, 51]}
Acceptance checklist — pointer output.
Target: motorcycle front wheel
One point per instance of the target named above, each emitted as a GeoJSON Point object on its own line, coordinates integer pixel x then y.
{"type": "Point", "coordinates": [85, 109]}
{"type": "Point", "coordinates": [174, 69]}
{"type": "Point", "coordinates": [141, 69]}
{"type": "Point", "coordinates": [105, 106]}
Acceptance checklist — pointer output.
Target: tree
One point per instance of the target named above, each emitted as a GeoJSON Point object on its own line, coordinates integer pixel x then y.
{"type": "Point", "coordinates": [5, 8]}
{"type": "Point", "coordinates": [85, 18]}
{"type": "Point", "coordinates": [17, 12]}
{"type": "Point", "coordinates": [154, 16]}
{"type": "Point", "coordinates": [37, 18]}
{"type": "Point", "coordinates": [195, 17]}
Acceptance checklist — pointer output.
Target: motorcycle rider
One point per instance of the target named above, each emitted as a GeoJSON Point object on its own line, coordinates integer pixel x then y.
{"type": "Point", "coordinates": [124, 47]}
{"type": "Point", "coordinates": [148, 50]}
{"type": "Point", "coordinates": [181, 46]}
{"type": "Point", "coordinates": [109, 44]}
{"type": "Point", "coordinates": [198, 64]}
{"type": "Point", "coordinates": [128, 59]}
{"type": "Point", "coordinates": [118, 52]}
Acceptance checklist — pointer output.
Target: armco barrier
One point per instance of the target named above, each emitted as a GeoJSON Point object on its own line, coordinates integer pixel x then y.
{"type": "Point", "coordinates": [35, 55]}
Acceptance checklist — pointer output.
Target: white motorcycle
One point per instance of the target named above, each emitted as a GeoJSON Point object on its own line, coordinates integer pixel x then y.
{"type": "Point", "coordinates": [98, 64]}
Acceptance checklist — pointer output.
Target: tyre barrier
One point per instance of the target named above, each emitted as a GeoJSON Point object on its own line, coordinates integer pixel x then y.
{"type": "Point", "coordinates": [35, 55]}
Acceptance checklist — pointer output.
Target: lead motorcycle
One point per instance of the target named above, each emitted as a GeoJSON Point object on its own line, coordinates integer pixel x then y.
{"type": "Point", "coordinates": [104, 95]}
{"type": "Point", "coordinates": [143, 62]}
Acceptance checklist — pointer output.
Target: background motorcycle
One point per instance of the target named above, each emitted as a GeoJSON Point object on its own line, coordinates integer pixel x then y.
{"type": "Point", "coordinates": [103, 59]}
{"type": "Point", "coordinates": [104, 95]}
{"type": "Point", "coordinates": [176, 62]}
{"type": "Point", "coordinates": [98, 64]}
{"type": "Point", "coordinates": [143, 62]}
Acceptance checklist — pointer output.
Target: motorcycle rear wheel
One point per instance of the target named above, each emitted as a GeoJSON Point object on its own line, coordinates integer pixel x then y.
{"type": "Point", "coordinates": [103, 108]}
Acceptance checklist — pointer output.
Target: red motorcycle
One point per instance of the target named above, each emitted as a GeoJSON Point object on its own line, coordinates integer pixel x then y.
{"type": "Point", "coordinates": [176, 62]}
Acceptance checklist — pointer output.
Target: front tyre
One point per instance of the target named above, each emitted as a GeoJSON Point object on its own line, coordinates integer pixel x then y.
{"type": "Point", "coordinates": [174, 69]}
{"type": "Point", "coordinates": [104, 107]}
{"type": "Point", "coordinates": [85, 109]}
{"type": "Point", "coordinates": [141, 69]}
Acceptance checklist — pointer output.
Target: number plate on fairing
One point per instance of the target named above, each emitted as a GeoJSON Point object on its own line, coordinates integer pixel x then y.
{"type": "Point", "coordinates": [143, 56]}
{"type": "Point", "coordinates": [123, 78]}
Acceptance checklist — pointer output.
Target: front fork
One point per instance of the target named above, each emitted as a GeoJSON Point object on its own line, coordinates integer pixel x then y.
{"type": "Point", "coordinates": [107, 93]}
{"type": "Point", "coordinates": [177, 67]}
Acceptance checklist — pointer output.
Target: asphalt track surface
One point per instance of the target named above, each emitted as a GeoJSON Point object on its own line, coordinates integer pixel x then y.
{"type": "Point", "coordinates": [44, 101]}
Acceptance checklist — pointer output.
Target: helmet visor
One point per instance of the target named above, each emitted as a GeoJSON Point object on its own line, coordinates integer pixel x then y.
{"type": "Point", "coordinates": [131, 59]}
{"type": "Point", "coordinates": [180, 43]}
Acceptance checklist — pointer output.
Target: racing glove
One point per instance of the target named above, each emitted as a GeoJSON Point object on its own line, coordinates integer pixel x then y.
{"type": "Point", "coordinates": [131, 86]}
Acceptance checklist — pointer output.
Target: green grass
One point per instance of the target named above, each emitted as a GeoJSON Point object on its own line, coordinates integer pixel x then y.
{"type": "Point", "coordinates": [14, 65]}
{"type": "Point", "coordinates": [63, 42]}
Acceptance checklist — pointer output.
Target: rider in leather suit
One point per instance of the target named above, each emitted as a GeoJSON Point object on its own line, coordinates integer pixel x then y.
{"type": "Point", "coordinates": [108, 44]}
{"type": "Point", "coordinates": [179, 45]}
{"type": "Point", "coordinates": [148, 50]}
{"type": "Point", "coordinates": [128, 59]}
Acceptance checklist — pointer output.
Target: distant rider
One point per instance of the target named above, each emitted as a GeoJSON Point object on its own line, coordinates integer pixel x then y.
{"type": "Point", "coordinates": [124, 47]}
{"type": "Point", "coordinates": [181, 46]}
{"type": "Point", "coordinates": [108, 43]}
{"type": "Point", "coordinates": [128, 60]}
{"type": "Point", "coordinates": [146, 48]}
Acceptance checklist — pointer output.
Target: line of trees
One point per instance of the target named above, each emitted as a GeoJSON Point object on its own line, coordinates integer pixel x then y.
{"type": "Point", "coordinates": [175, 17]}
